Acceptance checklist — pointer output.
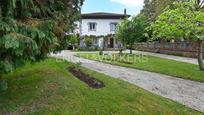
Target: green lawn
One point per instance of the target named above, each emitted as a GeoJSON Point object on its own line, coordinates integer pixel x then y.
{"type": "Point", "coordinates": [153, 64]}
{"type": "Point", "coordinates": [48, 88]}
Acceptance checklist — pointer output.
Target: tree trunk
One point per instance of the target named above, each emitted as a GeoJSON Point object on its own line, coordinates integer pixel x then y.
{"type": "Point", "coordinates": [1, 81]}
{"type": "Point", "coordinates": [103, 44]}
{"type": "Point", "coordinates": [131, 49]}
{"type": "Point", "coordinates": [73, 47]}
{"type": "Point", "coordinates": [200, 55]}
{"type": "Point", "coordinates": [3, 84]}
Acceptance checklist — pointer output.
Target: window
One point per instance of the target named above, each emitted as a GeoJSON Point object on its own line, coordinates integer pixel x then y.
{"type": "Point", "coordinates": [92, 26]}
{"type": "Point", "coordinates": [113, 26]}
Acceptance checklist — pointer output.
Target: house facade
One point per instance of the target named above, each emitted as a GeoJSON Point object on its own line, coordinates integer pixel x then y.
{"type": "Point", "coordinates": [101, 27]}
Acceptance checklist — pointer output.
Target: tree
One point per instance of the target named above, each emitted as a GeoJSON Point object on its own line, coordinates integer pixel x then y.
{"type": "Point", "coordinates": [88, 41]}
{"type": "Point", "coordinates": [29, 29]}
{"type": "Point", "coordinates": [73, 40]}
{"type": "Point", "coordinates": [153, 8]}
{"type": "Point", "coordinates": [131, 31]}
{"type": "Point", "coordinates": [182, 20]}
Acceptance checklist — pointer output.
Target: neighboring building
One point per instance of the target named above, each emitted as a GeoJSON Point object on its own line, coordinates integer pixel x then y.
{"type": "Point", "coordinates": [100, 25]}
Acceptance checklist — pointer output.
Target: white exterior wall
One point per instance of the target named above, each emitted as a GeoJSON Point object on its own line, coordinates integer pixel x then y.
{"type": "Point", "coordinates": [102, 26]}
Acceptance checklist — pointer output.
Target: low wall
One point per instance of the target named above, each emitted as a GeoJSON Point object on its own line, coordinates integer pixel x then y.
{"type": "Point", "coordinates": [187, 49]}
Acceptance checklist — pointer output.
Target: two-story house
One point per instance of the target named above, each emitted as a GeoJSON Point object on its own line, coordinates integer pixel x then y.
{"type": "Point", "coordinates": [100, 24]}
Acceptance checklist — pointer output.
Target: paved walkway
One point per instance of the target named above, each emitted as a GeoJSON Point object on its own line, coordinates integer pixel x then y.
{"type": "Point", "coordinates": [186, 92]}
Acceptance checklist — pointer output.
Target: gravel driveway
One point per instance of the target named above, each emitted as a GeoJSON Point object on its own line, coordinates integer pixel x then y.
{"type": "Point", "coordinates": [186, 92]}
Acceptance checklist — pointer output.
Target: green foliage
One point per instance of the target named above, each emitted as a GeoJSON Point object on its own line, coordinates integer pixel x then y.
{"type": "Point", "coordinates": [88, 41]}
{"type": "Point", "coordinates": [29, 29]}
{"type": "Point", "coordinates": [58, 9]}
{"type": "Point", "coordinates": [131, 31]}
{"type": "Point", "coordinates": [73, 39]}
{"type": "Point", "coordinates": [101, 52]}
{"type": "Point", "coordinates": [16, 49]}
{"type": "Point", "coordinates": [182, 20]}
{"type": "Point", "coordinates": [43, 36]}
{"type": "Point", "coordinates": [153, 8]}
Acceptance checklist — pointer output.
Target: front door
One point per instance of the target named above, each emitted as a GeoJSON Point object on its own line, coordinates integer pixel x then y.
{"type": "Point", "coordinates": [111, 43]}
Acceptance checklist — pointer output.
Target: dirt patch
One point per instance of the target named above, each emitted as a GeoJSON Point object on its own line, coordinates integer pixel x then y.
{"type": "Point", "coordinates": [90, 81]}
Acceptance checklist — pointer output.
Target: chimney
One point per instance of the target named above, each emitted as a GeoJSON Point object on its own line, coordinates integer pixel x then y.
{"type": "Point", "coordinates": [125, 12]}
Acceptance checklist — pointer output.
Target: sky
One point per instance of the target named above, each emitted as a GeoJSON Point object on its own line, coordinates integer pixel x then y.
{"type": "Point", "coordinates": [113, 6]}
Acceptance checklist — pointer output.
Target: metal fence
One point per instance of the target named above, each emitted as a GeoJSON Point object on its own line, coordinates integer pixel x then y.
{"type": "Point", "coordinates": [188, 49]}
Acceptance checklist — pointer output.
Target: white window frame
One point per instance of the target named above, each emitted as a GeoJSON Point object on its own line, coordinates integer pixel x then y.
{"type": "Point", "coordinates": [92, 26]}
{"type": "Point", "coordinates": [113, 28]}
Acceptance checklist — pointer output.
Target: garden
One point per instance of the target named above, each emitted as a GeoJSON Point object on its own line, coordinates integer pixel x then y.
{"type": "Point", "coordinates": [33, 82]}
{"type": "Point", "coordinates": [49, 88]}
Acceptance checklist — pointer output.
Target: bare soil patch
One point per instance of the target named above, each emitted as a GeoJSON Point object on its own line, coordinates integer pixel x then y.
{"type": "Point", "coordinates": [90, 81]}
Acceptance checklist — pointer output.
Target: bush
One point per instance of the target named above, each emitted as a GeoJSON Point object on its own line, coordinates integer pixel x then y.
{"type": "Point", "coordinates": [101, 52]}
{"type": "Point", "coordinates": [88, 41]}
{"type": "Point", "coordinates": [89, 49]}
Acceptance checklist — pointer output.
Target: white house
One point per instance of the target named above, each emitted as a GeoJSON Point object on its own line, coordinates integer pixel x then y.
{"type": "Point", "coordinates": [102, 26]}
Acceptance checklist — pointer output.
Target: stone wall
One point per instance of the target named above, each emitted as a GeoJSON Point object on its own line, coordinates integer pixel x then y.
{"type": "Point", "coordinates": [187, 49]}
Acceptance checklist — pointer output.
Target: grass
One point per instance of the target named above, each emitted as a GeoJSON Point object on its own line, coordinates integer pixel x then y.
{"type": "Point", "coordinates": [152, 64]}
{"type": "Point", "coordinates": [48, 88]}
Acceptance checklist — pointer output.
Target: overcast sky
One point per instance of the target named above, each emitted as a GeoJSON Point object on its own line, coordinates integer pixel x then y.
{"type": "Point", "coordinates": [115, 6]}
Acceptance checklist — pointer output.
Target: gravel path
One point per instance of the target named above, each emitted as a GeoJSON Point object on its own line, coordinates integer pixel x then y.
{"type": "Point", "coordinates": [186, 92]}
